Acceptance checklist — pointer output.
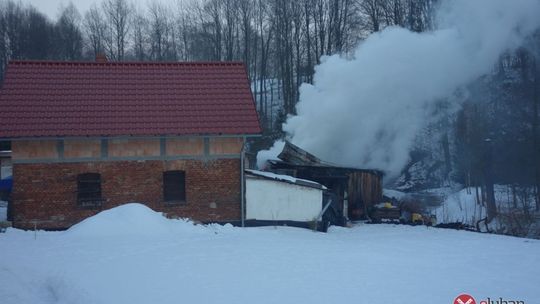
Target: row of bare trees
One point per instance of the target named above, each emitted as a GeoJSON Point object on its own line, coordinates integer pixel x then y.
{"type": "Point", "coordinates": [26, 33]}
{"type": "Point", "coordinates": [497, 135]}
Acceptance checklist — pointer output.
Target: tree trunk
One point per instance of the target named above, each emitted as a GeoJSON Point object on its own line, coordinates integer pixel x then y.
{"type": "Point", "coordinates": [535, 136]}
{"type": "Point", "coordinates": [488, 181]}
{"type": "Point", "coordinates": [447, 157]}
{"type": "Point", "coordinates": [309, 76]}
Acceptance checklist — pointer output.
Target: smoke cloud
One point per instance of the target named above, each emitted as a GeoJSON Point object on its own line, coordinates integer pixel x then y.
{"type": "Point", "coordinates": [366, 111]}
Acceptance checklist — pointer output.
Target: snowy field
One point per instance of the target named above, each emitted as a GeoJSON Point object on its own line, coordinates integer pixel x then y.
{"type": "Point", "coordinates": [131, 254]}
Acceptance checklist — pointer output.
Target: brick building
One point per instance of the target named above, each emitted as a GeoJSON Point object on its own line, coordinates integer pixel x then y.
{"type": "Point", "coordinates": [88, 136]}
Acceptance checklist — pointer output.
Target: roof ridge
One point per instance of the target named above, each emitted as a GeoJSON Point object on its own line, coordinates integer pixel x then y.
{"type": "Point", "coordinates": [127, 63]}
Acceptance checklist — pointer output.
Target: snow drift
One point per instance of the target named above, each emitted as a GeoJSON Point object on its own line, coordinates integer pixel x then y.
{"type": "Point", "coordinates": [131, 219]}
{"type": "Point", "coordinates": [366, 111]}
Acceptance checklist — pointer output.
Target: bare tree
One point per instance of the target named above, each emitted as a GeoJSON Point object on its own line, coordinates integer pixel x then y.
{"type": "Point", "coordinates": [13, 16]}
{"type": "Point", "coordinates": [37, 36]}
{"type": "Point", "coordinates": [117, 16]}
{"type": "Point", "coordinates": [246, 8]}
{"type": "Point", "coordinates": [212, 9]}
{"type": "Point", "coordinates": [160, 29]}
{"type": "Point", "coordinates": [230, 17]}
{"type": "Point", "coordinates": [308, 7]}
{"type": "Point", "coordinates": [394, 12]}
{"type": "Point", "coordinates": [320, 17]}
{"type": "Point", "coordinates": [536, 135]}
{"type": "Point", "coordinates": [140, 36]}
{"type": "Point", "coordinates": [69, 36]}
{"type": "Point", "coordinates": [94, 28]}
{"type": "Point", "coordinates": [283, 24]}
{"type": "Point", "coordinates": [374, 10]}
{"type": "Point", "coordinates": [3, 42]}
{"type": "Point", "coordinates": [184, 30]}
{"type": "Point", "coordinates": [264, 32]}
{"type": "Point", "coordinates": [25, 33]}
{"type": "Point", "coordinates": [534, 49]}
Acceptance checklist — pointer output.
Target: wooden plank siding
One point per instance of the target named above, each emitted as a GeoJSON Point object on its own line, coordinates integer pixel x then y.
{"type": "Point", "coordinates": [365, 190]}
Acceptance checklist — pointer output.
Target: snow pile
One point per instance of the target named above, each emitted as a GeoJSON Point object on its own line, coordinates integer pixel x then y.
{"type": "Point", "coordinates": [391, 87]}
{"type": "Point", "coordinates": [128, 220]}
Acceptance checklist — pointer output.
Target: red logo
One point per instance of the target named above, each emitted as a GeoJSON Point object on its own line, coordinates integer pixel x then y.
{"type": "Point", "coordinates": [464, 299]}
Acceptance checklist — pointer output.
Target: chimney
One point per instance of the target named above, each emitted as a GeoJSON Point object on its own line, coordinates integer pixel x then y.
{"type": "Point", "coordinates": [100, 57]}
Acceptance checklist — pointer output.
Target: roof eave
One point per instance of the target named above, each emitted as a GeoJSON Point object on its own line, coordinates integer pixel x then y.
{"type": "Point", "coordinates": [15, 138]}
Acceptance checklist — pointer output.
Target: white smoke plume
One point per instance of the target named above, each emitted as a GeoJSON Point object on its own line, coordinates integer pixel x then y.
{"type": "Point", "coordinates": [366, 111]}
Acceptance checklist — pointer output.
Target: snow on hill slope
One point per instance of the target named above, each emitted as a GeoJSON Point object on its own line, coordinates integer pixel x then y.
{"type": "Point", "coordinates": [515, 208]}
{"type": "Point", "coordinates": [461, 207]}
{"type": "Point", "coordinates": [132, 255]}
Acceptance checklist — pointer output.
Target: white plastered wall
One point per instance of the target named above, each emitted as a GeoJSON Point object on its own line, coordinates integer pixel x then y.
{"type": "Point", "coordinates": [280, 201]}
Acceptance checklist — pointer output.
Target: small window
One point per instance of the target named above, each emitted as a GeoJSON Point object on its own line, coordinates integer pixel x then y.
{"type": "Point", "coordinates": [174, 186]}
{"type": "Point", "coordinates": [89, 190]}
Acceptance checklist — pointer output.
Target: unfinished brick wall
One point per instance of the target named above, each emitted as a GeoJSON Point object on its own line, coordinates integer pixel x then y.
{"type": "Point", "coordinates": [46, 194]}
{"type": "Point", "coordinates": [185, 146]}
{"type": "Point", "coordinates": [74, 148]}
{"type": "Point", "coordinates": [29, 149]}
{"type": "Point", "coordinates": [133, 147]}
{"type": "Point", "coordinates": [225, 145]}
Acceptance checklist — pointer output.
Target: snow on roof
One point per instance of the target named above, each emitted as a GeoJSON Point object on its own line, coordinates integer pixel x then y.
{"type": "Point", "coordinates": [286, 179]}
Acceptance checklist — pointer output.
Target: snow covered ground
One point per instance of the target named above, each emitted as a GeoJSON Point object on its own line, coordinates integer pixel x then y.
{"type": "Point", "coordinates": [131, 254]}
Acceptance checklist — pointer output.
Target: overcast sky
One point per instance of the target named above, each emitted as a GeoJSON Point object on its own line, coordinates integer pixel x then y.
{"type": "Point", "coordinates": [51, 7]}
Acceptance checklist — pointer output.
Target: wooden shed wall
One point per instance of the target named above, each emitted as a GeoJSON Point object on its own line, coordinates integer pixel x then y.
{"type": "Point", "coordinates": [365, 190]}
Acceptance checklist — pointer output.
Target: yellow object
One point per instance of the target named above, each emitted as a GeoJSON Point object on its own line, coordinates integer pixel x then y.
{"type": "Point", "coordinates": [417, 217]}
{"type": "Point", "coordinates": [387, 205]}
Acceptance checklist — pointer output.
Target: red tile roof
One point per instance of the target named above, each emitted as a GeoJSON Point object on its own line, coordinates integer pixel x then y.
{"type": "Point", "coordinates": [59, 99]}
